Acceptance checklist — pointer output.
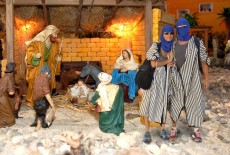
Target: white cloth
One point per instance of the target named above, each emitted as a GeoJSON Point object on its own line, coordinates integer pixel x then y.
{"type": "Point", "coordinates": [130, 65]}
{"type": "Point", "coordinates": [79, 91]}
{"type": "Point", "coordinates": [104, 97]}
{"type": "Point", "coordinates": [107, 93]}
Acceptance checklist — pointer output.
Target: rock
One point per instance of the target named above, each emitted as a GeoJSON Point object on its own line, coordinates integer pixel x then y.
{"type": "Point", "coordinates": [223, 91]}
{"type": "Point", "coordinates": [206, 118]}
{"type": "Point", "coordinates": [184, 138]}
{"type": "Point", "coordinates": [228, 107]}
{"type": "Point", "coordinates": [226, 139]}
{"type": "Point", "coordinates": [174, 150]}
{"type": "Point", "coordinates": [135, 151]}
{"type": "Point", "coordinates": [2, 145]}
{"type": "Point", "coordinates": [22, 150]}
{"type": "Point", "coordinates": [17, 139]}
{"type": "Point", "coordinates": [224, 121]}
{"type": "Point", "coordinates": [161, 142]}
{"type": "Point", "coordinates": [208, 106]}
{"type": "Point", "coordinates": [10, 134]}
{"type": "Point", "coordinates": [64, 148]}
{"type": "Point", "coordinates": [122, 143]}
{"type": "Point", "coordinates": [215, 111]}
{"type": "Point", "coordinates": [153, 148]}
{"type": "Point", "coordinates": [223, 111]}
{"type": "Point", "coordinates": [3, 137]}
{"type": "Point", "coordinates": [220, 137]}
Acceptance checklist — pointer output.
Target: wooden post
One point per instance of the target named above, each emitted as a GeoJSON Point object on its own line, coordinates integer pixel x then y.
{"type": "Point", "coordinates": [45, 12]}
{"type": "Point", "coordinates": [78, 19]}
{"type": "Point", "coordinates": [10, 30]}
{"type": "Point", "coordinates": [148, 26]}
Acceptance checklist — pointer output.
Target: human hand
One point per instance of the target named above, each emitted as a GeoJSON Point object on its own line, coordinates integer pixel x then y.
{"type": "Point", "coordinates": [122, 67]}
{"type": "Point", "coordinates": [124, 70]}
{"type": "Point", "coordinates": [170, 64]}
{"type": "Point", "coordinates": [206, 83]}
{"type": "Point", "coordinates": [170, 56]}
{"type": "Point", "coordinates": [38, 55]}
{"type": "Point", "coordinates": [58, 58]}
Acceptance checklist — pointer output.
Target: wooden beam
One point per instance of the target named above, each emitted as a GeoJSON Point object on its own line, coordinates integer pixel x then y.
{"type": "Point", "coordinates": [140, 18]}
{"type": "Point", "coordinates": [2, 2]}
{"type": "Point", "coordinates": [45, 12]}
{"type": "Point", "coordinates": [78, 19]}
{"type": "Point", "coordinates": [148, 26]}
{"type": "Point", "coordinates": [91, 5]}
{"type": "Point", "coordinates": [113, 10]}
{"type": "Point", "coordinates": [86, 2]}
{"type": "Point", "coordinates": [118, 1]}
{"type": "Point", "coordinates": [10, 30]}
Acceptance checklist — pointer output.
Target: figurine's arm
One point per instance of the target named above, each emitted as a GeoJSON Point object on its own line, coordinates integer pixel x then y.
{"type": "Point", "coordinates": [49, 99]}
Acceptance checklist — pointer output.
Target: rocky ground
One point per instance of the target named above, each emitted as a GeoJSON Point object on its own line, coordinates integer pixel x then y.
{"type": "Point", "coordinates": [75, 132]}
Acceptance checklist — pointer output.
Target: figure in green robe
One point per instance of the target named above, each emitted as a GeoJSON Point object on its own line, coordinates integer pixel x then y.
{"type": "Point", "coordinates": [110, 99]}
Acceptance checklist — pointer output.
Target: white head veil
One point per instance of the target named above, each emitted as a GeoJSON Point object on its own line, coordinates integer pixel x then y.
{"type": "Point", "coordinates": [42, 36]}
{"type": "Point", "coordinates": [130, 65]}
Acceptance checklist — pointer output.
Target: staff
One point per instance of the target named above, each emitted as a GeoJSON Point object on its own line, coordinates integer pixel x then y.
{"type": "Point", "coordinates": [58, 55]}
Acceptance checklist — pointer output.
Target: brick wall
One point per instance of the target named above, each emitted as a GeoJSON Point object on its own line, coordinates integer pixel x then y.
{"type": "Point", "coordinates": [105, 50]}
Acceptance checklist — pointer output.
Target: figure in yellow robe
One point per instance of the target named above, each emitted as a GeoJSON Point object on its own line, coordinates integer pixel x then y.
{"type": "Point", "coordinates": [42, 50]}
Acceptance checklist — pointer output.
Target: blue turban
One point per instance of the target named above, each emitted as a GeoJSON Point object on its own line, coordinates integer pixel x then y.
{"type": "Point", "coordinates": [183, 27]}
{"type": "Point", "coordinates": [166, 45]}
{"type": "Point", "coordinates": [45, 69]}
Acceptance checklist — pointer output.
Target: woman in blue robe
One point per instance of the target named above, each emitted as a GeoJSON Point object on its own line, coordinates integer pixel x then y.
{"type": "Point", "coordinates": [125, 72]}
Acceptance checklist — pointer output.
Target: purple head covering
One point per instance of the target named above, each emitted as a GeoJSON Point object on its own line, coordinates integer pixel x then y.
{"type": "Point", "coordinates": [183, 27]}
{"type": "Point", "coordinates": [166, 45]}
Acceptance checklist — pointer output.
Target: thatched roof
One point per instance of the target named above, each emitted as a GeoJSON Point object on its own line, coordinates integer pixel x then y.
{"type": "Point", "coordinates": [81, 18]}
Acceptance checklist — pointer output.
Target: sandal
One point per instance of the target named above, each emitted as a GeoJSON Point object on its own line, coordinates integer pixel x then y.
{"type": "Point", "coordinates": [196, 137]}
{"type": "Point", "coordinates": [164, 135]}
{"type": "Point", "coordinates": [147, 138]}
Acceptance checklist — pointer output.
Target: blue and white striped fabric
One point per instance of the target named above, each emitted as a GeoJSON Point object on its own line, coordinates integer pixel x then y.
{"type": "Point", "coordinates": [153, 106]}
{"type": "Point", "coordinates": [186, 86]}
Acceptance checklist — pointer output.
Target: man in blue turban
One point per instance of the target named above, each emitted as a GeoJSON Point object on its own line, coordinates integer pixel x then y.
{"type": "Point", "coordinates": [186, 80]}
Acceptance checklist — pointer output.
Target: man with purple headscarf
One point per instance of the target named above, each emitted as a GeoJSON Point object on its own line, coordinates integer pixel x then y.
{"type": "Point", "coordinates": [154, 102]}
{"type": "Point", "coordinates": [186, 78]}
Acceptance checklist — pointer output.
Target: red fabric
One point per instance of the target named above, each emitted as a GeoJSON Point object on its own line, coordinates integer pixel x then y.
{"type": "Point", "coordinates": [126, 92]}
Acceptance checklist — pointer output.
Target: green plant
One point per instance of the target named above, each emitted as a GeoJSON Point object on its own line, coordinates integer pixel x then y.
{"type": "Point", "coordinates": [192, 19]}
{"type": "Point", "coordinates": [224, 15]}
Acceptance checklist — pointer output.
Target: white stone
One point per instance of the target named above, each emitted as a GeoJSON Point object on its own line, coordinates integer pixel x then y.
{"type": "Point", "coordinates": [153, 148]}
{"type": "Point", "coordinates": [17, 139]}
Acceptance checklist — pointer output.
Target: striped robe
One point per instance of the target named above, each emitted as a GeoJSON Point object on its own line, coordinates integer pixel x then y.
{"type": "Point", "coordinates": [153, 106]}
{"type": "Point", "coordinates": [186, 86]}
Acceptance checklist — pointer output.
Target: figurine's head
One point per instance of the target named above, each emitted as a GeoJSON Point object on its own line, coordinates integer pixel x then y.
{"type": "Point", "coordinates": [104, 78]}
{"type": "Point", "coordinates": [80, 83]}
{"type": "Point", "coordinates": [46, 70]}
